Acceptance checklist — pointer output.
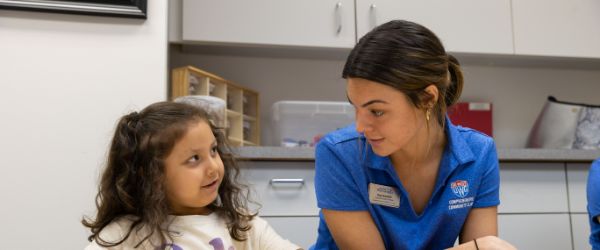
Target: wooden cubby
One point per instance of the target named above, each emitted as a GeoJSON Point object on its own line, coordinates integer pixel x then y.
{"type": "Point", "coordinates": [242, 117]}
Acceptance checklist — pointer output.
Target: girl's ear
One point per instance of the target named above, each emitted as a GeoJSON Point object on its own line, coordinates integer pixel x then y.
{"type": "Point", "coordinates": [432, 94]}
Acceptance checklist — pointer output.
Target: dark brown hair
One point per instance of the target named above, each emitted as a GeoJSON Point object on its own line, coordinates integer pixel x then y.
{"type": "Point", "coordinates": [133, 180]}
{"type": "Point", "coordinates": [409, 58]}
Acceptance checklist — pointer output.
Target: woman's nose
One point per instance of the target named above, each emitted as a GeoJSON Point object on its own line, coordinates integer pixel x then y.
{"type": "Point", "coordinates": [362, 123]}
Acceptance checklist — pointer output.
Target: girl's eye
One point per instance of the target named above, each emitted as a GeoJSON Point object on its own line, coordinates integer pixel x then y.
{"type": "Point", "coordinates": [377, 113]}
{"type": "Point", "coordinates": [194, 159]}
{"type": "Point", "coordinates": [214, 151]}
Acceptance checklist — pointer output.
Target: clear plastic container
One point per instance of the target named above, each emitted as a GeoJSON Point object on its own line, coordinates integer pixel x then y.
{"type": "Point", "coordinates": [303, 123]}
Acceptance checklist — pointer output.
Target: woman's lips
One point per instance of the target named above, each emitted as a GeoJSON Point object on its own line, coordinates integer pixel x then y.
{"type": "Point", "coordinates": [375, 142]}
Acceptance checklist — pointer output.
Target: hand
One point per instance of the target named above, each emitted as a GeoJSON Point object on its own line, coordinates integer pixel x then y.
{"type": "Point", "coordinates": [485, 243]}
{"type": "Point", "coordinates": [494, 243]}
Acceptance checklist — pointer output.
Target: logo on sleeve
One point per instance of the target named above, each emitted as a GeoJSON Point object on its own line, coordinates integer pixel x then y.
{"type": "Point", "coordinates": [460, 188]}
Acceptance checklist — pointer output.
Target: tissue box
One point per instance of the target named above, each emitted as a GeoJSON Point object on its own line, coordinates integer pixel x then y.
{"type": "Point", "coordinates": [303, 123]}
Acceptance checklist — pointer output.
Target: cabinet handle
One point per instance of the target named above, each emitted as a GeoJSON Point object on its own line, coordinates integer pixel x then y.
{"type": "Point", "coordinates": [338, 17]}
{"type": "Point", "coordinates": [373, 15]}
{"type": "Point", "coordinates": [286, 181]}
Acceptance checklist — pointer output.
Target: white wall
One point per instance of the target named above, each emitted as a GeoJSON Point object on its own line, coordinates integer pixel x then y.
{"type": "Point", "coordinates": [517, 87]}
{"type": "Point", "coordinates": [64, 81]}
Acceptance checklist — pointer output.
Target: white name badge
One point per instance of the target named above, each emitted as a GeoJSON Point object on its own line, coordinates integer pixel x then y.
{"type": "Point", "coordinates": [384, 195]}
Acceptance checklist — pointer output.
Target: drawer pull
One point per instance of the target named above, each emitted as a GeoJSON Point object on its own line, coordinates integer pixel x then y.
{"type": "Point", "coordinates": [286, 181]}
{"type": "Point", "coordinates": [338, 17]}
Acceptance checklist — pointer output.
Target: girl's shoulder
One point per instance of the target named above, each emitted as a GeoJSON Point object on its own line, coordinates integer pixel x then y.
{"type": "Point", "coordinates": [115, 232]}
{"type": "Point", "coordinates": [117, 229]}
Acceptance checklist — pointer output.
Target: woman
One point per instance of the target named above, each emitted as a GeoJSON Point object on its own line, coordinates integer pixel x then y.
{"type": "Point", "coordinates": [404, 177]}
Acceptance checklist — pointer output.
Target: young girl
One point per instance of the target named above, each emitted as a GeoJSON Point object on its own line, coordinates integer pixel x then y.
{"type": "Point", "coordinates": [170, 183]}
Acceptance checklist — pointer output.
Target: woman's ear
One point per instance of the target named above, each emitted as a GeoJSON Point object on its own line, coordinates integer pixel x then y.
{"type": "Point", "coordinates": [433, 94]}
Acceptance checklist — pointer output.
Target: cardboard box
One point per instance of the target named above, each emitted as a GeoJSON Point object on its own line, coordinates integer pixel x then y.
{"type": "Point", "coordinates": [475, 115]}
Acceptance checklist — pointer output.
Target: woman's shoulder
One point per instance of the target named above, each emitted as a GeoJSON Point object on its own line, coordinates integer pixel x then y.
{"type": "Point", "coordinates": [341, 135]}
{"type": "Point", "coordinates": [477, 141]}
{"type": "Point", "coordinates": [473, 136]}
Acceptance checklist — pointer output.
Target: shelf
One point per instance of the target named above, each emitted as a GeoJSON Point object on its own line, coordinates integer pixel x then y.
{"type": "Point", "coordinates": [242, 103]}
{"type": "Point", "coordinates": [504, 155]}
{"type": "Point", "coordinates": [249, 118]}
{"type": "Point", "coordinates": [235, 142]}
{"type": "Point", "coordinates": [233, 113]}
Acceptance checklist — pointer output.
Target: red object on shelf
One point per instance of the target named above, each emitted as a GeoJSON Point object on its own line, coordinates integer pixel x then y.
{"type": "Point", "coordinates": [475, 115]}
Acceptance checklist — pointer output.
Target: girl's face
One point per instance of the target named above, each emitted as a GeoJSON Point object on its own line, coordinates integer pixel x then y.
{"type": "Point", "coordinates": [193, 171]}
{"type": "Point", "coordinates": [385, 115]}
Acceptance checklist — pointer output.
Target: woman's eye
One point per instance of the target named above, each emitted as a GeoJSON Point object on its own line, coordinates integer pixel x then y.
{"type": "Point", "coordinates": [214, 151]}
{"type": "Point", "coordinates": [377, 113]}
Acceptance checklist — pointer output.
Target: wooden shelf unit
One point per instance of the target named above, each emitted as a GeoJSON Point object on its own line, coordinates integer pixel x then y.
{"type": "Point", "coordinates": [242, 123]}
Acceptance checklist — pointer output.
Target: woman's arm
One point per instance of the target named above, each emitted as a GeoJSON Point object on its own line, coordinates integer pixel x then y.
{"type": "Point", "coordinates": [480, 222]}
{"type": "Point", "coordinates": [353, 229]}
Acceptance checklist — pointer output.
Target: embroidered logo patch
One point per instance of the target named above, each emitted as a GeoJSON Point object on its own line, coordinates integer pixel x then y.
{"type": "Point", "coordinates": [460, 188]}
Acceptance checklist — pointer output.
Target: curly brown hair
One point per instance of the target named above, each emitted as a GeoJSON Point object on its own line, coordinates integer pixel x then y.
{"type": "Point", "coordinates": [133, 180]}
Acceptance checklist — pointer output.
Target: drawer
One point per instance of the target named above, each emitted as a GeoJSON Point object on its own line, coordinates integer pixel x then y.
{"type": "Point", "coordinates": [536, 231]}
{"type": "Point", "coordinates": [282, 188]}
{"type": "Point", "coordinates": [581, 232]}
{"type": "Point", "coordinates": [302, 231]}
{"type": "Point", "coordinates": [577, 174]}
{"type": "Point", "coordinates": [533, 188]}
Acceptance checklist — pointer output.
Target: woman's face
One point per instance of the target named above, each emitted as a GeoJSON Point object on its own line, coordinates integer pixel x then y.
{"type": "Point", "coordinates": [193, 171]}
{"type": "Point", "coordinates": [385, 115]}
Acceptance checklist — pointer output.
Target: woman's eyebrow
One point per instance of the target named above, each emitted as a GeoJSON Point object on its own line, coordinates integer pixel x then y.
{"type": "Point", "coordinates": [373, 102]}
{"type": "Point", "coordinates": [367, 103]}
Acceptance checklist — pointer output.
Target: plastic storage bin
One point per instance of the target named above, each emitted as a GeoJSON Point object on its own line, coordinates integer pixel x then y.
{"type": "Point", "coordinates": [303, 123]}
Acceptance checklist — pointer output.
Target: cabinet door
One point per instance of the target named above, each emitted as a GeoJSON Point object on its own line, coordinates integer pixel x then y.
{"type": "Point", "coordinates": [577, 174]}
{"type": "Point", "coordinates": [312, 23]}
{"type": "Point", "coordinates": [581, 232]}
{"type": "Point", "coordinates": [533, 188]}
{"type": "Point", "coordinates": [301, 231]}
{"type": "Point", "coordinates": [536, 231]}
{"type": "Point", "coordinates": [282, 188]}
{"type": "Point", "coordinates": [557, 27]}
{"type": "Point", "coordinates": [462, 25]}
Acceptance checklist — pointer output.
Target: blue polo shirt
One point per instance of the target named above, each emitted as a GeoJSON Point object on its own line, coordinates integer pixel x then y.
{"type": "Point", "coordinates": [468, 177]}
{"type": "Point", "coordinates": [593, 197]}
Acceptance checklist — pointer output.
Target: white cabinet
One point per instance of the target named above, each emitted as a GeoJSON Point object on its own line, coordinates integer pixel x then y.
{"type": "Point", "coordinates": [311, 23]}
{"type": "Point", "coordinates": [286, 196]}
{"type": "Point", "coordinates": [557, 27]}
{"type": "Point", "coordinates": [301, 231]}
{"type": "Point", "coordinates": [533, 188]}
{"type": "Point", "coordinates": [581, 232]}
{"type": "Point", "coordinates": [463, 25]}
{"type": "Point", "coordinates": [536, 231]}
{"type": "Point", "coordinates": [282, 188]}
{"type": "Point", "coordinates": [577, 174]}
